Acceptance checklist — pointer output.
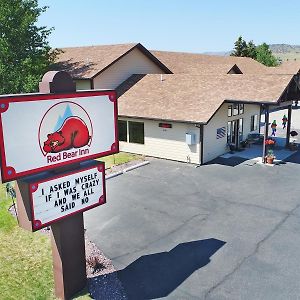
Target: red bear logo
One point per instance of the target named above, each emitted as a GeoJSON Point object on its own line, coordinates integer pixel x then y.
{"type": "Point", "coordinates": [72, 134]}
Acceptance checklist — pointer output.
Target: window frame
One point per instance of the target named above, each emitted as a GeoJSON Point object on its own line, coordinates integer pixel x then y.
{"type": "Point", "coordinates": [241, 108]}
{"type": "Point", "coordinates": [132, 136]}
{"type": "Point", "coordinates": [253, 124]}
{"type": "Point", "coordinates": [236, 109]}
{"type": "Point", "coordinates": [229, 111]}
{"type": "Point", "coordinates": [119, 130]}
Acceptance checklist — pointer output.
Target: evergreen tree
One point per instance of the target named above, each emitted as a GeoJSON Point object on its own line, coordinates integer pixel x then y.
{"type": "Point", "coordinates": [240, 47]}
{"type": "Point", "coordinates": [251, 50]}
{"type": "Point", "coordinates": [25, 54]}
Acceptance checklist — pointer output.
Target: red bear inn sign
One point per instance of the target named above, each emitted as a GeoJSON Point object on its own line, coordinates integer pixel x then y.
{"type": "Point", "coordinates": [48, 141]}
{"type": "Point", "coordinates": [40, 132]}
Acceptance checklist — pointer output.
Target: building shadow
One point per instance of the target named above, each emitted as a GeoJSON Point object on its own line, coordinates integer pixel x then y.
{"type": "Point", "coordinates": [230, 162]}
{"type": "Point", "coordinates": [157, 275]}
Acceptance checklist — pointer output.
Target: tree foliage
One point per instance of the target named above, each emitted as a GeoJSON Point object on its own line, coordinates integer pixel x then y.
{"type": "Point", "coordinates": [265, 56]}
{"type": "Point", "coordinates": [261, 53]}
{"type": "Point", "coordinates": [25, 54]}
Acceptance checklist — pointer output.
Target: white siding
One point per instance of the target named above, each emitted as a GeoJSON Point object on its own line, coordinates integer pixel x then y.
{"type": "Point", "coordinates": [135, 62]}
{"type": "Point", "coordinates": [214, 147]}
{"type": "Point", "coordinates": [83, 85]}
{"type": "Point", "coordinates": [166, 143]}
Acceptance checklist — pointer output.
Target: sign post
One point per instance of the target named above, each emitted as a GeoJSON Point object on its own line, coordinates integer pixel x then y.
{"type": "Point", "coordinates": [53, 145]}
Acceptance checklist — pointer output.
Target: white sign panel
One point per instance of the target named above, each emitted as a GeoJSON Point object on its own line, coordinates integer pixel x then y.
{"type": "Point", "coordinates": [40, 132]}
{"type": "Point", "coordinates": [58, 197]}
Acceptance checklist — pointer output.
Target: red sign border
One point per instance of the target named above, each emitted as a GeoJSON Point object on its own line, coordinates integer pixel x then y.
{"type": "Point", "coordinates": [100, 166]}
{"type": "Point", "coordinates": [9, 174]}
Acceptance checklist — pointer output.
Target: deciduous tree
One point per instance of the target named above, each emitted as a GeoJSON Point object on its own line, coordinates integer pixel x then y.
{"type": "Point", "coordinates": [25, 54]}
{"type": "Point", "coordinates": [264, 55]}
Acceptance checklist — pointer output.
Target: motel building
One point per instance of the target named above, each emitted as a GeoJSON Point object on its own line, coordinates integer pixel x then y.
{"type": "Point", "coordinates": [182, 106]}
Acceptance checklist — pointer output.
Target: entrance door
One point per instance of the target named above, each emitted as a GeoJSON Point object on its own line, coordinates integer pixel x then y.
{"type": "Point", "coordinates": [235, 132]}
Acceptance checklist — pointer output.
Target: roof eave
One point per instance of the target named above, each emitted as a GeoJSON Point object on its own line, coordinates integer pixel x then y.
{"type": "Point", "coordinates": [162, 119]}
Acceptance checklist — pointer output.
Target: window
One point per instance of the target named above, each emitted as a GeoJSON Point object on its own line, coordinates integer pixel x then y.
{"type": "Point", "coordinates": [254, 123]}
{"type": "Point", "coordinates": [122, 126]}
{"type": "Point", "coordinates": [241, 109]}
{"type": "Point", "coordinates": [235, 109]}
{"type": "Point", "coordinates": [229, 111]}
{"type": "Point", "coordinates": [136, 132]}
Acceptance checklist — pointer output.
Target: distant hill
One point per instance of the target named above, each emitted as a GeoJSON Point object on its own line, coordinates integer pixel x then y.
{"type": "Point", "coordinates": [285, 51]}
{"type": "Point", "coordinates": [219, 53]}
{"type": "Point", "coordinates": [282, 51]}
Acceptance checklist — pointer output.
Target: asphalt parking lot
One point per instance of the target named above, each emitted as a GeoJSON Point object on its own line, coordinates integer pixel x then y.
{"type": "Point", "coordinates": [213, 232]}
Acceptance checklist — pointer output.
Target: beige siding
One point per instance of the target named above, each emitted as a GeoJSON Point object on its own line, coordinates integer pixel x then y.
{"type": "Point", "coordinates": [83, 85]}
{"type": "Point", "coordinates": [135, 62]}
{"type": "Point", "coordinates": [166, 143]}
{"type": "Point", "coordinates": [214, 147]}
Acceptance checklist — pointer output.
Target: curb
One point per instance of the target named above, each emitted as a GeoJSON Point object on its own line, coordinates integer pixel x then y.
{"type": "Point", "coordinates": [127, 170]}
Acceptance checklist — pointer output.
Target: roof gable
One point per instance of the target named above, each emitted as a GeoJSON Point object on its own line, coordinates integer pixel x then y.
{"type": "Point", "coordinates": [88, 62]}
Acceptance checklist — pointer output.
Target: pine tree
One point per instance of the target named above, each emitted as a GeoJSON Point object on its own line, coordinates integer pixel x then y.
{"type": "Point", "coordinates": [240, 47]}
{"type": "Point", "coordinates": [251, 50]}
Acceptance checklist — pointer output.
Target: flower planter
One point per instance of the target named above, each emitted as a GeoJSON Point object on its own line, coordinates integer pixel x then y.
{"type": "Point", "coordinates": [269, 159]}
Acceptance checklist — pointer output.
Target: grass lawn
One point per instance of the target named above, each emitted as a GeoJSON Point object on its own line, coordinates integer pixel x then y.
{"type": "Point", "coordinates": [25, 260]}
{"type": "Point", "coordinates": [119, 158]}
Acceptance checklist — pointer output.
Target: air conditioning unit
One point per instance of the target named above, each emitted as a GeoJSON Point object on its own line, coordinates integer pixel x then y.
{"type": "Point", "coordinates": [190, 138]}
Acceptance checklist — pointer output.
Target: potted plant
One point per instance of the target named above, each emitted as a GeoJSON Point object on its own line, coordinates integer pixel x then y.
{"type": "Point", "coordinates": [270, 157]}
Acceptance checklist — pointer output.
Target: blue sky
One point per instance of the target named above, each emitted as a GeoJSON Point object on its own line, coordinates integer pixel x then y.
{"type": "Point", "coordinates": [174, 25]}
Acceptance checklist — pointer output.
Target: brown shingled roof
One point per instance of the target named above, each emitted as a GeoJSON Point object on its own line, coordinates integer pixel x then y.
{"type": "Point", "coordinates": [192, 63]}
{"type": "Point", "coordinates": [193, 98]}
{"type": "Point", "coordinates": [87, 62]}
{"type": "Point", "coordinates": [287, 67]}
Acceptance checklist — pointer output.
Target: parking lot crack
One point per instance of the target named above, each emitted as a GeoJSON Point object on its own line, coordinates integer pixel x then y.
{"type": "Point", "coordinates": [256, 206]}
{"type": "Point", "coordinates": [164, 236]}
{"type": "Point", "coordinates": [254, 252]}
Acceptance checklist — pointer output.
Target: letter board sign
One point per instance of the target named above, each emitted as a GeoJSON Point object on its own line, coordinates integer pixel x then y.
{"type": "Point", "coordinates": [56, 197]}
{"type": "Point", "coordinates": [42, 132]}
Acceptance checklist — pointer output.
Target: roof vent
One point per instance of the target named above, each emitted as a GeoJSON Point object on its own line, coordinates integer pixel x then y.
{"type": "Point", "coordinates": [161, 78]}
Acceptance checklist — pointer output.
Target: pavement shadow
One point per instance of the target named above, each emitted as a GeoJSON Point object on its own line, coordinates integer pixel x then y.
{"type": "Point", "coordinates": [294, 158]}
{"type": "Point", "coordinates": [157, 275]}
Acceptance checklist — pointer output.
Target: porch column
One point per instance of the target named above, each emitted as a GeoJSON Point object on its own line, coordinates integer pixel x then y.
{"type": "Point", "coordinates": [201, 143]}
{"type": "Point", "coordinates": [288, 127]}
{"type": "Point", "coordinates": [266, 132]}
{"type": "Point", "coordinates": [259, 119]}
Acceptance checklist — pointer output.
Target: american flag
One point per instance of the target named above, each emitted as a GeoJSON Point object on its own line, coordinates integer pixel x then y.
{"type": "Point", "coordinates": [221, 132]}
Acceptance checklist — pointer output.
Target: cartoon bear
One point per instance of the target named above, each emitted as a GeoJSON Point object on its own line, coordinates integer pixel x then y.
{"type": "Point", "coordinates": [72, 134]}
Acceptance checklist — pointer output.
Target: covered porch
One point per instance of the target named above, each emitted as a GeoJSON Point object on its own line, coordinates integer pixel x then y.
{"type": "Point", "coordinates": [277, 124]}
